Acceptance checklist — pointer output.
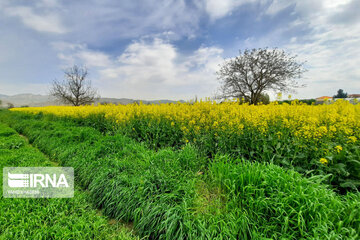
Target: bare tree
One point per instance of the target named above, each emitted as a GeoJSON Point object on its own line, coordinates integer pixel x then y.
{"type": "Point", "coordinates": [75, 89]}
{"type": "Point", "coordinates": [256, 71]}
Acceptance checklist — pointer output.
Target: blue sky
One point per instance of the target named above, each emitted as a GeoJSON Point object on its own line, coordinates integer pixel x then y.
{"type": "Point", "coordinates": [157, 49]}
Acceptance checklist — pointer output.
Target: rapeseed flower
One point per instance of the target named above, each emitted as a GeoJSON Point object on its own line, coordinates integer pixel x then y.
{"type": "Point", "coordinates": [338, 148]}
{"type": "Point", "coordinates": [306, 122]}
{"type": "Point", "coordinates": [324, 161]}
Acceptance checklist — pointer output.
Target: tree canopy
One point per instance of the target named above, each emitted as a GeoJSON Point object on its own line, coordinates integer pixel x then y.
{"type": "Point", "coordinates": [341, 94]}
{"type": "Point", "coordinates": [256, 71]}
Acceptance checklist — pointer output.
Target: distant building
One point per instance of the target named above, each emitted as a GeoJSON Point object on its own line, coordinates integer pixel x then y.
{"type": "Point", "coordinates": [323, 99]}
{"type": "Point", "coordinates": [354, 96]}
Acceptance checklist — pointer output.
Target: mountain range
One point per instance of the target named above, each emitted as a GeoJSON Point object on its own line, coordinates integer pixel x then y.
{"type": "Point", "coordinates": [37, 100]}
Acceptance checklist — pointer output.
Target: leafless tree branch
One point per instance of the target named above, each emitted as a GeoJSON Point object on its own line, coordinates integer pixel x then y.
{"type": "Point", "coordinates": [256, 71]}
{"type": "Point", "coordinates": [75, 89]}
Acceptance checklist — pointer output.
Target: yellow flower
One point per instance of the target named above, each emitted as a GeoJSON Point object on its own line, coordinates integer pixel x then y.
{"type": "Point", "coordinates": [297, 120]}
{"type": "Point", "coordinates": [324, 161]}
{"type": "Point", "coordinates": [352, 139]}
{"type": "Point", "coordinates": [338, 148]}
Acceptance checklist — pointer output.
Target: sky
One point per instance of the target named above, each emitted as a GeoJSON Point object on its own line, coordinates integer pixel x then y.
{"type": "Point", "coordinates": [171, 49]}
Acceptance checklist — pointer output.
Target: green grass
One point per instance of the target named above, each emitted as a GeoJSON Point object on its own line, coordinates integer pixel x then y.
{"type": "Point", "coordinates": [177, 194]}
{"type": "Point", "coordinates": [72, 218]}
{"type": "Point", "coordinates": [271, 202]}
{"type": "Point", "coordinates": [278, 145]}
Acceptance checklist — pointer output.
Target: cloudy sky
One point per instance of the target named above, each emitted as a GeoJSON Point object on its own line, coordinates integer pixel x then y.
{"type": "Point", "coordinates": [157, 49]}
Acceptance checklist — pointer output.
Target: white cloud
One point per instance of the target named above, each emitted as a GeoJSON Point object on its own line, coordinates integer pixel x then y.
{"type": "Point", "coordinates": [325, 33]}
{"type": "Point", "coordinates": [150, 69]}
{"type": "Point", "coordinates": [45, 22]}
{"type": "Point", "coordinates": [148, 62]}
{"type": "Point", "coordinates": [48, 3]}
{"type": "Point", "coordinates": [331, 50]}
{"type": "Point", "coordinates": [221, 8]}
{"type": "Point", "coordinates": [303, 7]}
{"type": "Point", "coordinates": [205, 58]}
{"type": "Point", "coordinates": [71, 54]}
{"type": "Point", "coordinates": [332, 63]}
{"type": "Point", "coordinates": [94, 58]}
{"type": "Point", "coordinates": [104, 22]}
{"type": "Point", "coordinates": [318, 35]}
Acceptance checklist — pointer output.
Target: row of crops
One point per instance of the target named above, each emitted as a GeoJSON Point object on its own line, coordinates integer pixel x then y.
{"type": "Point", "coordinates": [210, 171]}
{"type": "Point", "coordinates": [313, 140]}
{"type": "Point", "coordinates": [73, 218]}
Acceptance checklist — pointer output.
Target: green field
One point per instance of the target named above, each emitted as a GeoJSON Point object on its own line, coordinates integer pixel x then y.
{"type": "Point", "coordinates": [167, 193]}
{"type": "Point", "coordinates": [74, 218]}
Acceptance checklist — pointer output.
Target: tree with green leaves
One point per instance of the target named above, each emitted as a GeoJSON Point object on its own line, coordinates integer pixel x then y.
{"type": "Point", "coordinates": [341, 94]}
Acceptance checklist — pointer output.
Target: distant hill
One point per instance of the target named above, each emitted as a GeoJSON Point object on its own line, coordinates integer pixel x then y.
{"type": "Point", "coordinates": [28, 99]}
{"type": "Point", "coordinates": [36, 100]}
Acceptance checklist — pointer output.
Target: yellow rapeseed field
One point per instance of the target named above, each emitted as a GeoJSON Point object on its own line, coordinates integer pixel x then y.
{"type": "Point", "coordinates": [305, 121]}
{"type": "Point", "coordinates": [313, 139]}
